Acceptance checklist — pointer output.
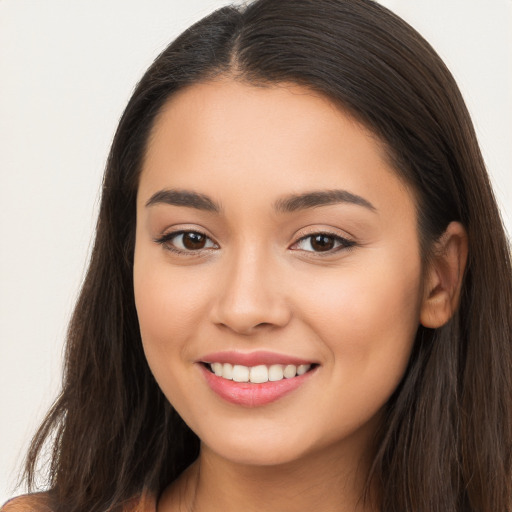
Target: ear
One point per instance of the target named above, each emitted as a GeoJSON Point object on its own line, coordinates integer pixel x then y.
{"type": "Point", "coordinates": [444, 275]}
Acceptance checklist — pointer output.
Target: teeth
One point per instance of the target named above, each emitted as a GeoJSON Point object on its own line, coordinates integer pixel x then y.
{"type": "Point", "coordinates": [303, 368]}
{"type": "Point", "coordinates": [258, 374]}
{"type": "Point", "coordinates": [290, 371]}
{"type": "Point", "coordinates": [217, 369]}
{"type": "Point", "coordinates": [275, 372]}
{"type": "Point", "coordinates": [227, 371]}
{"type": "Point", "coordinates": [240, 373]}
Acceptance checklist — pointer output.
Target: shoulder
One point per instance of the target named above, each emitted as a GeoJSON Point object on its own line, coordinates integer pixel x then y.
{"type": "Point", "coordinates": [39, 502]}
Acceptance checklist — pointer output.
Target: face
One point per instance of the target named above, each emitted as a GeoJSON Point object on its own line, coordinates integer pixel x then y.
{"type": "Point", "coordinates": [277, 270]}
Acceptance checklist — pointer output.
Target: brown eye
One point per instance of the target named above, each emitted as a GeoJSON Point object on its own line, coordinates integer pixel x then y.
{"type": "Point", "coordinates": [186, 242]}
{"type": "Point", "coordinates": [322, 243]}
{"type": "Point", "coordinates": [194, 241]}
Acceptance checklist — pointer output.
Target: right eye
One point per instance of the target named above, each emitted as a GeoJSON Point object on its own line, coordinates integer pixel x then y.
{"type": "Point", "coordinates": [186, 241]}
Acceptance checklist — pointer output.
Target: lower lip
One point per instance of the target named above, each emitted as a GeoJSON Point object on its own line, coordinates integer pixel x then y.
{"type": "Point", "coordinates": [253, 395]}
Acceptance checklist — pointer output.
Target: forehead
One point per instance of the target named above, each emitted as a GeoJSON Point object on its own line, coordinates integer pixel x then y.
{"type": "Point", "coordinates": [275, 114]}
{"type": "Point", "coordinates": [226, 135]}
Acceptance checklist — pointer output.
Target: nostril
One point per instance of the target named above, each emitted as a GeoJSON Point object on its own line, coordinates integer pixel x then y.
{"type": "Point", "coordinates": [247, 308]}
{"type": "Point", "coordinates": [246, 328]}
{"type": "Point", "coordinates": [263, 324]}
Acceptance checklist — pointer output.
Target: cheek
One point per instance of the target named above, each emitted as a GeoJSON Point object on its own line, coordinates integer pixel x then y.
{"type": "Point", "coordinates": [168, 305]}
{"type": "Point", "coordinates": [168, 320]}
{"type": "Point", "coordinates": [367, 319]}
{"type": "Point", "coordinates": [364, 298]}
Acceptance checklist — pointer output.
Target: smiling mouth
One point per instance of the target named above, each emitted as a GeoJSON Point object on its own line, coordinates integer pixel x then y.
{"type": "Point", "coordinates": [258, 374]}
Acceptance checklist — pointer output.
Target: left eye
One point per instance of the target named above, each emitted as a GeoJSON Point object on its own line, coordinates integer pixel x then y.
{"type": "Point", "coordinates": [322, 242]}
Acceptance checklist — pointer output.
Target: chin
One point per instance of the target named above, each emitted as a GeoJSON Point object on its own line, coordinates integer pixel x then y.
{"type": "Point", "coordinates": [252, 456]}
{"type": "Point", "coordinates": [259, 447]}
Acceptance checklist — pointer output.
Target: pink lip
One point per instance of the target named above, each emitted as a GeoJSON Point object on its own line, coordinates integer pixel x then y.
{"type": "Point", "coordinates": [252, 395]}
{"type": "Point", "coordinates": [252, 358]}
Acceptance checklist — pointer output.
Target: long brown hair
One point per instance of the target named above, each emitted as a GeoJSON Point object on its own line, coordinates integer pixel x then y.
{"type": "Point", "coordinates": [446, 442]}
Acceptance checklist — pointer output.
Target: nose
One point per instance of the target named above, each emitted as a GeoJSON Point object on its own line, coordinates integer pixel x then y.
{"type": "Point", "coordinates": [251, 296]}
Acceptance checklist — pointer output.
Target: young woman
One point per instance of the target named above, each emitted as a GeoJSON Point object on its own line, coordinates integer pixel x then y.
{"type": "Point", "coordinates": [300, 294]}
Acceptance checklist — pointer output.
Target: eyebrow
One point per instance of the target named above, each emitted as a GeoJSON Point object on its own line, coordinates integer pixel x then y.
{"type": "Point", "coordinates": [184, 198]}
{"type": "Point", "coordinates": [314, 199]}
{"type": "Point", "coordinates": [287, 204]}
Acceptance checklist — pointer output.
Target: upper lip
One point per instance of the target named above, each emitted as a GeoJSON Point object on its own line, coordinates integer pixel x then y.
{"type": "Point", "coordinates": [253, 358]}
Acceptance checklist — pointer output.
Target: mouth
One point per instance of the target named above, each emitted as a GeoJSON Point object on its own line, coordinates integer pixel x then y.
{"type": "Point", "coordinates": [258, 374]}
{"type": "Point", "coordinates": [256, 384]}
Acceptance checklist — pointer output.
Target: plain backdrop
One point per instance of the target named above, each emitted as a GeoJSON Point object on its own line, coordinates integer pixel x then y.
{"type": "Point", "coordinates": [67, 68]}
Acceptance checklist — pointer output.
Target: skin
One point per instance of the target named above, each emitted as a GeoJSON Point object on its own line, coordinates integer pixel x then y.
{"type": "Point", "coordinates": [258, 284]}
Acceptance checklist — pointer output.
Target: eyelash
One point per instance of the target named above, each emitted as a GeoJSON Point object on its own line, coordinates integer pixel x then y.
{"type": "Point", "coordinates": [166, 241]}
{"type": "Point", "coordinates": [342, 243]}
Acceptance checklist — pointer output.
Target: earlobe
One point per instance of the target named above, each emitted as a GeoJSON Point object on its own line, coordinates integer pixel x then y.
{"type": "Point", "coordinates": [444, 277]}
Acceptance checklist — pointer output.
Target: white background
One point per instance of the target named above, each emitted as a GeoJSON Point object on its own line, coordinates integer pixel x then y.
{"type": "Point", "coordinates": [67, 68]}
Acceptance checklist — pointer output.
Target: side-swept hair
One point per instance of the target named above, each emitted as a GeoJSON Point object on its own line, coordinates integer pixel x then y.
{"type": "Point", "coordinates": [446, 442]}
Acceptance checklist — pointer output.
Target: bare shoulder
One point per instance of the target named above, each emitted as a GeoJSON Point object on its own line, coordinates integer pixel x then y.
{"type": "Point", "coordinates": [38, 502]}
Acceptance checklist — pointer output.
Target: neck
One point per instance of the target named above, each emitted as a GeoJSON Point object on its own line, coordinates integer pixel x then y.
{"type": "Point", "coordinates": [331, 480]}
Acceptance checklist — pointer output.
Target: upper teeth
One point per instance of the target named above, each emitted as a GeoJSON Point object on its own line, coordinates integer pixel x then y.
{"type": "Point", "coordinates": [258, 374]}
